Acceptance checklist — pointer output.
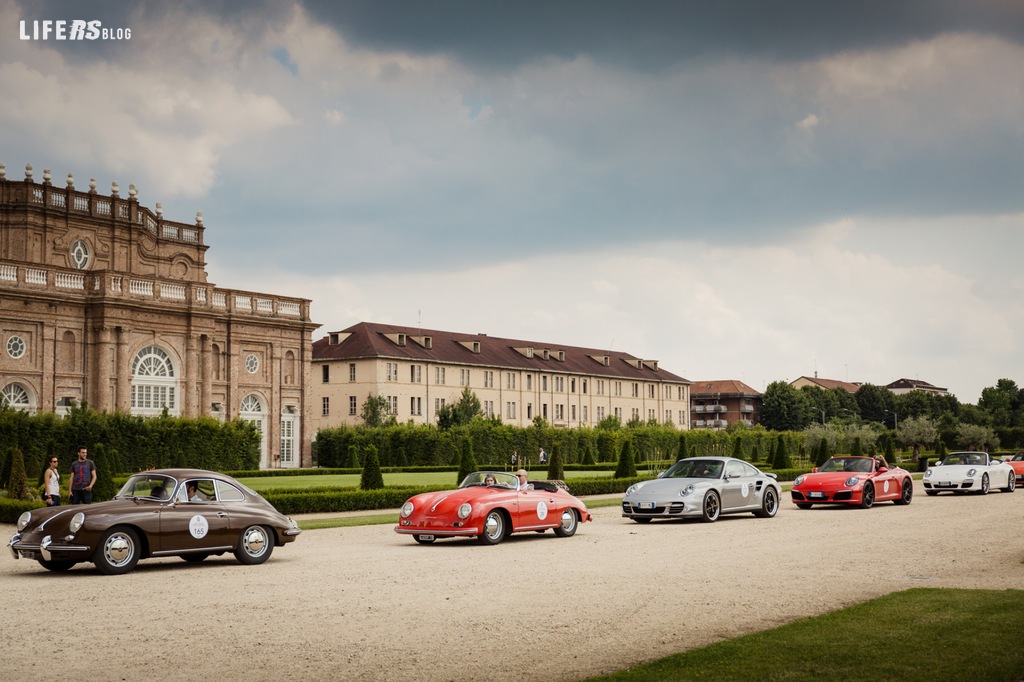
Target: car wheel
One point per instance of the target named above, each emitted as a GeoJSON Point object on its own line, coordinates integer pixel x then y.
{"type": "Point", "coordinates": [424, 539]}
{"type": "Point", "coordinates": [712, 507]}
{"type": "Point", "coordinates": [570, 522]}
{"type": "Point", "coordinates": [984, 484]}
{"type": "Point", "coordinates": [907, 493]}
{"type": "Point", "coordinates": [867, 496]}
{"type": "Point", "coordinates": [769, 504]}
{"type": "Point", "coordinates": [642, 519]}
{"type": "Point", "coordinates": [194, 558]}
{"type": "Point", "coordinates": [56, 566]}
{"type": "Point", "coordinates": [1011, 483]}
{"type": "Point", "coordinates": [931, 493]}
{"type": "Point", "coordinates": [117, 552]}
{"type": "Point", "coordinates": [494, 529]}
{"type": "Point", "coordinates": [254, 546]}
{"type": "Point", "coordinates": [804, 505]}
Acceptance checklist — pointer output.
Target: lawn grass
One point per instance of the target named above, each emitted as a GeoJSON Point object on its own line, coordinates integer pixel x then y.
{"type": "Point", "coordinates": [313, 481]}
{"type": "Point", "coordinates": [970, 635]}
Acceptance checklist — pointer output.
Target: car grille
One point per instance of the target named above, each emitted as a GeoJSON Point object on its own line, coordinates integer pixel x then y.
{"type": "Point", "coordinates": [673, 508]}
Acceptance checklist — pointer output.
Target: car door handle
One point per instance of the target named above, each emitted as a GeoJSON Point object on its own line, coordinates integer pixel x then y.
{"type": "Point", "coordinates": [221, 515]}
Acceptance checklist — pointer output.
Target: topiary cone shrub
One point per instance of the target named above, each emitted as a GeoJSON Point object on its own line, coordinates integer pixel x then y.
{"type": "Point", "coordinates": [627, 461]}
{"type": "Point", "coordinates": [555, 471]}
{"type": "Point", "coordinates": [372, 478]}
{"type": "Point", "coordinates": [467, 462]}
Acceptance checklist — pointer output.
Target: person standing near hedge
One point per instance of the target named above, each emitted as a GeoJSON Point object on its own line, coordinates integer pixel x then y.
{"type": "Point", "coordinates": [51, 484]}
{"type": "Point", "coordinates": [83, 477]}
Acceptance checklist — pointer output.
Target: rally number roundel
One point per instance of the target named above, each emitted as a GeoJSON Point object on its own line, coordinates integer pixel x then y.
{"type": "Point", "coordinates": [198, 527]}
{"type": "Point", "coordinates": [885, 487]}
{"type": "Point", "coordinates": [745, 490]}
{"type": "Point", "coordinates": [542, 511]}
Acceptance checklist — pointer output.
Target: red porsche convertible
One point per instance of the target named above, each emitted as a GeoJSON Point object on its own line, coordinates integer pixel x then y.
{"type": "Point", "coordinates": [861, 481]}
{"type": "Point", "coordinates": [489, 505]}
{"type": "Point", "coordinates": [1016, 463]}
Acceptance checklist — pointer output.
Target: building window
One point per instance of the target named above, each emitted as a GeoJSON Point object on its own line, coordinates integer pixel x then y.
{"type": "Point", "coordinates": [439, 376]}
{"type": "Point", "coordinates": [251, 410]}
{"type": "Point", "coordinates": [510, 410]}
{"type": "Point", "coordinates": [16, 397]}
{"type": "Point", "coordinates": [252, 364]}
{"type": "Point", "coordinates": [352, 405]}
{"type": "Point", "coordinates": [488, 408]}
{"type": "Point", "coordinates": [464, 377]}
{"type": "Point", "coordinates": [488, 379]}
{"type": "Point", "coordinates": [618, 413]}
{"type": "Point", "coordinates": [618, 388]}
{"type": "Point", "coordinates": [560, 412]}
{"type": "Point", "coordinates": [15, 347]}
{"type": "Point", "coordinates": [510, 380]}
{"type": "Point", "coordinates": [416, 374]}
{"type": "Point", "coordinates": [635, 416]}
{"type": "Point", "coordinates": [559, 384]}
{"type": "Point", "coordinates": [416, 405]}
{"type": "Point", "coordinates": [544, 410]}
{"type": "Point", "coordinates": [650, 390]}
{"type": "Point", "coordinates": [438, 404]}
{"type": "Point", "coordinates": [544, 383]}
{"type": "Point", "coordinates": [668, 416]}
{"type": "Point", "coordinates": [80, 254]}
{"type": "Point", "coordinates": [529, 382]}
{"type": "Point", "coordinates": [585, 415]}
{"type": "Point", "coordinates": [287, 440]}
{"type": "Point", "coordinates": [325, 372]}
{"type": "Point", "coordinates": [392, 371]}
{"type": "Point", "coordinates": [392, 404]}
{"type": "Point", "coordinates": [572, 412]}
{"type": "Point", "coordinates": [529, 411]}
{"type": "Point", "coordinates": [583, 386]}
{"type": "Point", "coordinates": [572, 385]}
{"type": "Point", "coordinates": [650, 414]}
{"type": "Point", "coordinates": [326, 407]}
{"type": "Point", "coordinates": [636, 390]}
{"type": "Point", "coordinates": [351, 371]}
{"type": "Point", "coordinates": [154, 386]}
{"type": "Point", "coordinates": [600, 386]}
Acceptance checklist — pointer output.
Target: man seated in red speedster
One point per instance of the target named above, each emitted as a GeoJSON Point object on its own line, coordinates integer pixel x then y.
{"type": "Point", "coordinates": [489, 505]}
{"type": "Point", "coordinates": [861, 481]}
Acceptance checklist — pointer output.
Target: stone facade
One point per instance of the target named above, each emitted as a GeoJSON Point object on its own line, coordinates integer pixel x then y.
{"type": "Point", "coordinates": [104, 301]}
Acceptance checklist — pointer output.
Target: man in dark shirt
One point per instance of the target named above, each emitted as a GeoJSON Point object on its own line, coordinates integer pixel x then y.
{"type": "Point", "coordinates": [83, 477]}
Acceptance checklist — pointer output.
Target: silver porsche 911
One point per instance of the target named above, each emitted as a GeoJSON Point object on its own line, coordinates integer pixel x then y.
{"type": "Point", "coordinates": [705, 488]}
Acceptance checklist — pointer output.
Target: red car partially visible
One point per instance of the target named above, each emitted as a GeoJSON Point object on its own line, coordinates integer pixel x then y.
{"type": "Point", "coordinates": [490, 505]}
{"type": "Point", "coordinates": [859, 481]}
{"type": "Point", "coordinates": [1017, 464]}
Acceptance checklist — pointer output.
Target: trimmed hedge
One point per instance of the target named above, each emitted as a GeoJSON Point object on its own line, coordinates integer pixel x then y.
{"type": "Point", "coordinates": [10, 509]}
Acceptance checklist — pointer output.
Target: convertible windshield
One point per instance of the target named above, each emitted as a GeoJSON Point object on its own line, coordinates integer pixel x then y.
{"type": "Point", "coordinates": [694, 468]}
{"type": "Point", "coordinates": [855, 464]}
{"type": "Point", "coordinates": [491, 479]}
{"type": "Point", "coordinates": [975, 458]}
{"type": "Point", "coordinates": [151, 486]}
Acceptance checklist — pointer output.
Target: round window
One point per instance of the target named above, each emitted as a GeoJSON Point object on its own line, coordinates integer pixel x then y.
{"type": "Point", "coordinates": [15, 347]}
{"type": "Point", "coordinates": [252, 363]}
{"type": "Point", "coordinates": [80, 254]}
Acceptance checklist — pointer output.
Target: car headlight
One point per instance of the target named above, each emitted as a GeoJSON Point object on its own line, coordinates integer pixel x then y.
{"type": "Point", "coordinates": [799, 480]}
{"type": "Point", "coordinates": [407, 510]}
{"type": "Point", "coordinates": [971, 472]}
{"type": "Point", "coordinates": [632, 489]}
{"type": "Point", "coordinates": [851, 481]}
{"type": "Point", "coordinates": [465, 509]}
{"type": "Point", "coordinates": [928, 473]}
{"type": "Point", "coordinates": [686, 491]}
{"type": "Point", "coordinates": [23, 520]}
{"type": "Point", "coordinates": [76, 522]}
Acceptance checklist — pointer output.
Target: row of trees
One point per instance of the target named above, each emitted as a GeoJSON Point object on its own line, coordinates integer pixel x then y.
{"type": "Point", "coordinates": [785, 408]}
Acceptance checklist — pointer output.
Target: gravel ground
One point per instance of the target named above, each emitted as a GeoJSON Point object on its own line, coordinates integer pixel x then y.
{"type": "Point", "coordinates": [365, 603]}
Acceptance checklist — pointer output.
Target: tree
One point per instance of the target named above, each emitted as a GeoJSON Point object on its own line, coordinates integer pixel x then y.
{"type": "Point", "coordinates": [783, 408]}
{"type": "Point", "coordinates": [555, 472]}
{"type": "Point", "coordinates": [372, 478]}
{"type": "Point", "coordinates": [376, 411]}
{"type": "Point", "coordinates": [467, 407]}
{"type": "Point", "coordinates": [782, 460]}
{"type": "Point", "coordinates": [917, 432]}
{"type": "Point", "coordinates": [874, 402]}
{"type": "Point", "coordinates": [588, 453]}
{"type": "Point", "coordinates": [627, 460]}
{"type": "Point", "coordinates": [737, 448]}
{"type": "Point", "coordinates": [858, 447]}
{"type": "Point", "coordinates": [17, 487]}
{"type": "Point", "coordinates": [106, 467]}
{"type": "Point", "coordinates": [609, 423]}
{"type": "Point", "coordinates": [682, 446]}
{"type": "Point", "coordinates": [467, 462]}
{"type": "Point", "coordinates": [353, 457]}
{"type": "Point", "coordinates": [975, 437]}
{"type": "Point", "coordinates": [823, 452]}
{"type": "Point", "coordinates": [1002, 403]}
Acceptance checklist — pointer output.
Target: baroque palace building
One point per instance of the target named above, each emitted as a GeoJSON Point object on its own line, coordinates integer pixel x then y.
{"type": "Point", "coordinates": [106, 302]}
{"type": "Point", "coordinates": [418, 371]}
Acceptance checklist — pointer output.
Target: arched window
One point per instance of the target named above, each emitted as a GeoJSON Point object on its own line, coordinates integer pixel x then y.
{"type": "Point", "coordinates": [154, 385]}
{"type": "Point", "coordinates": [17, 397]}
{"type": "Point", "coordinates": [252, 411]}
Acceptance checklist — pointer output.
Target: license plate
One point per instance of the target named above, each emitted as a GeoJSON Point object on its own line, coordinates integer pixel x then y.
{"type": "Point", "coordinates": [816, 495]}
{"type": "Point", "coordinates": [645, 505]}
{"type": "Point", "coordinates": [427, 538]}
{"type": "Point", "coordinates": [26, 554]}
{"type": "Point", "coordinates": [944, 484]}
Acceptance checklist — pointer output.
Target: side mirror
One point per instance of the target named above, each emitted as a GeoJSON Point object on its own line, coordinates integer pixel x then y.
{"type": "Point", "coordinates": [882, 470]}
{"type": "Point", "coordinates": [814, 470]}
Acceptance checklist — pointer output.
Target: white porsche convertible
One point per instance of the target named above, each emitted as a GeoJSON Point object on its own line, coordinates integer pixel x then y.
{"type": "Point", "coordinates": [961, 472]}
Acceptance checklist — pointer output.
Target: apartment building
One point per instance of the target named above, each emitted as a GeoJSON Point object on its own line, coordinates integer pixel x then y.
{"type": "Point", "coordinates": [717, 404]}
{"type": "Point", "coordinates": [106, 301]}
{"type": "Point", "coordinates": [418, 371]}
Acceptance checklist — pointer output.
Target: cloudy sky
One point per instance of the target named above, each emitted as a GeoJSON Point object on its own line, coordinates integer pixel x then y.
{"type": "Point", "coordinates": [741, 189]}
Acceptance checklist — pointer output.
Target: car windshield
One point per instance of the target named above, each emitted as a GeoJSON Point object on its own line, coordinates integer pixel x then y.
{"type": "Point", "coordinates": [1019, 457]}
{"type": "Point", "coordinates": [855, 464]}
{"type": "Point", "coordinates": [490, 479]}
{"type": "Point", "coordinates": [975, 458]}
{"type": "Point", "coordinates": [152, 486]}
{"type": "Point", "coordinates": [694, 468]}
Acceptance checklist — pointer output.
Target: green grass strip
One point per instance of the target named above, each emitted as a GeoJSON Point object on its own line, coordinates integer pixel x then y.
{"type": "Point", "coordinates": [969, 635]}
